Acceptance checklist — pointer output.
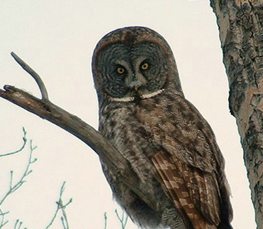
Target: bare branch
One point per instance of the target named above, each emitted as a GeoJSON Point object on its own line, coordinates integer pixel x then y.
{"type": "Point", "coordinates": [36, 77]}
{"type": "Point", "coordinates": [21, 181]}
{"type": "Point", "coordinates": [123, 219]}
{"type": "Point", "coordinates": [3, 221]}
{"type": "Point", "coordinates": [21, 148]}
{"type": "Point", "coordinates": [13, 186]}
{"type": "Point", "coordinates": [105, 220]}
{"type": "Point", "coordinates": [104, 149]}
{"type": "Point", "coordinates": [19, 224]}
{"type": "Point", "coordinates": [62, 207]}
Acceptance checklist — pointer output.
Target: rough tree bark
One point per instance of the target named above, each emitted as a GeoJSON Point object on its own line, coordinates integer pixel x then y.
{"type": "Point", "coordinates": [240, 25]}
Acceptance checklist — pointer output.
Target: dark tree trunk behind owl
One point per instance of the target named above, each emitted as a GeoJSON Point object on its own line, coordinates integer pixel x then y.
{"type": "Point", "coordinates": [240, 25]}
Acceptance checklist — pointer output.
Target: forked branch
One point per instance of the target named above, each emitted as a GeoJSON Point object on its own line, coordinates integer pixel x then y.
{"type": "Point", "coordinates": [36, 77]}
{"type": "Point", "coordinates": [49, 111]}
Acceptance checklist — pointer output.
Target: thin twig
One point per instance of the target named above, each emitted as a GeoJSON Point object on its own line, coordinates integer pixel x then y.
{"type": "Point", "coordinates": [19, 150]}
{"type": "Point", "coordinates": [18, 224]}
{"type": "Point", "coordinates": [105, 220]}
{"type": "Point", "coordinates": [36, 77]}
{"type": "Point", "coordinates": [21, 181]}
{"type": "Point", "coordinates": [62, 207]}
{"type": "Point", "coordinates": [18, 184]}
{"type": "Point", "coordinates": [3, 221]}
{"type": "Point", "coordinates": [123, 219]}
{"type": "Point", "coordinates": [53, 218]}
{"type": "Point", "coordinates": [64, 218]}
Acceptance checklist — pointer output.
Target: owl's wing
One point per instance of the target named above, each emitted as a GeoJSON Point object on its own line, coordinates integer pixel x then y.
{"type": "Point", "coordinates": [191, 168]}
{"type": "Point", "coordinates": [192, 192]}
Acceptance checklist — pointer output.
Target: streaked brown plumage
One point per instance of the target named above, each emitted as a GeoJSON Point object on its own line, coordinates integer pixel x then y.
{"type": "Point", "coordinates": [167, 142]}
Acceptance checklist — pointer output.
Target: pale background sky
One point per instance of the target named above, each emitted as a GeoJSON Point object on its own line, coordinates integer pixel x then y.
{"type": "Point", "coordinates": [57, 38]}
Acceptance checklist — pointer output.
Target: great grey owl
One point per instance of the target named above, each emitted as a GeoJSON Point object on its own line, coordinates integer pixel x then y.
{"type": "Point", "coordinates": [167, 142]}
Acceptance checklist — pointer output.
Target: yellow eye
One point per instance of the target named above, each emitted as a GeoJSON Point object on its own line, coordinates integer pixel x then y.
{"type": "Point", "coordinates": [145, 66]}
{"type": "Point", "coordinates": [120, 70]}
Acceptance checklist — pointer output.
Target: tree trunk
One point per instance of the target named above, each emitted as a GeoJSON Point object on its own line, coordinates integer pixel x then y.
{"type": "Point", "coordinates": [240, 25]}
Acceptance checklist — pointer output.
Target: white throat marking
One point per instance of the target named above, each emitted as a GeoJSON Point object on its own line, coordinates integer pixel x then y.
{"type": "Point", "coordinates": [130, 99]}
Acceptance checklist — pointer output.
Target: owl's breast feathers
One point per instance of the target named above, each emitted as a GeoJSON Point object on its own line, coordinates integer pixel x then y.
{"type": "Point", "coordinates": [172, 134]}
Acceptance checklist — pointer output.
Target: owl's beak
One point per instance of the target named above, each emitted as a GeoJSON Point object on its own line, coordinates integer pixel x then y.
{"type": "Point", "coordinates": [135, 85]}
{"type": "Point", "coordinates": [138, 81]}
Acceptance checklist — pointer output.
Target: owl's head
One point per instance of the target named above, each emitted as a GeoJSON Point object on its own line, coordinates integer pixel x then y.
{"type": "Point", "coordinates": [133, 63]}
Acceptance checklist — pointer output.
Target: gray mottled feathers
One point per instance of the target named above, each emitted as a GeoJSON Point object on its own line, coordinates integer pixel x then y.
{"type": "Point", "coordinates": [167, 142]}
{"type": "Point", "coordinates": [183, 151]}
